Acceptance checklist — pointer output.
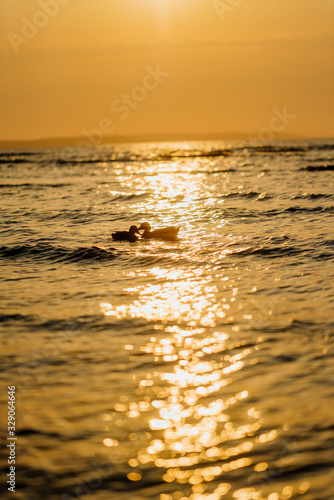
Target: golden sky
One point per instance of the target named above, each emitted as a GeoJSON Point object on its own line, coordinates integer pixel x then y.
{"type": "Point", "coordinates": [69, 67]}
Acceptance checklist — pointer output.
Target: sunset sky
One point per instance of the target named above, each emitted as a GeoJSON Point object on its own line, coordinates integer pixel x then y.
{"type": "Point", "coordinates": [165, 66]}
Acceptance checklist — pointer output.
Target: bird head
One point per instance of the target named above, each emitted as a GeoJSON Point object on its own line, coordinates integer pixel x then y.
{"type": "Point", "coordinates": [145, 225]}
{"type": "Point", "coordinates": [134, 230]}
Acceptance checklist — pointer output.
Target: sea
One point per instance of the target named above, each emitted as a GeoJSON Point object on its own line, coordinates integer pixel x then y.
{"type": "Point", "coordinates": [195, 369]}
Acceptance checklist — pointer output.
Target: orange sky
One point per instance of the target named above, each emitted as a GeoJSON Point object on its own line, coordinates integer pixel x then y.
{"type": "Point", "coordinates": [166, 66]}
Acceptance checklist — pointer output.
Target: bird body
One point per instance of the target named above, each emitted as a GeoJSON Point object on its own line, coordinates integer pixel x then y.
{"type": "Point", "coordinates": [165, 233]}
{"type": "Point", "coordinates": [130, 235]}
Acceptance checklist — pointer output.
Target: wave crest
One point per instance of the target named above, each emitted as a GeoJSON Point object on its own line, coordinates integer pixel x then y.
{"type": "Point", "coordinates": [47, 251]}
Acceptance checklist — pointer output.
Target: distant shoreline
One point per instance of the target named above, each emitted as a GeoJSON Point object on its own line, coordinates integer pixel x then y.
{"type": "Point", "coordinates": [74, 141]}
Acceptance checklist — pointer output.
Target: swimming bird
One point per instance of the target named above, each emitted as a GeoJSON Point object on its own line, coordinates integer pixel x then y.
{"type": "Point", "coordinates": [126, 235]}
{"type": "Point", "coordinates": [165, 233]}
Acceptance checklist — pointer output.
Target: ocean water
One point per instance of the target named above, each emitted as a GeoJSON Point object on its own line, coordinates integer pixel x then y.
{"type": "Point", "coordinates": [188, 370]}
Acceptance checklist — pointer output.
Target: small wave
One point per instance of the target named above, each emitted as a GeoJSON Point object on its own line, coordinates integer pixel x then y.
{"type": "Point", "coordinates": [28, 431]}
{"type": "Point", "coordinates": [276, 251]}
{"type": "Point", "coordinates": [279, 149]}
{"type": "Point", "coordinates": [46, 251]}
{"type": "Point", "coordinates": [76, 161]}
{"type": "Point", "coordinates": [114, 158]}
{"type": "Point", "coordinates": [321, 147]}
{"type": "Point", "coordinates": [195, 154]}
{"type": "Point", "coordinates": [14, 317]}
{"type": "Point", "coordinates": [318, 168]}
{"type": "Point", "coordinates": [74, 216]}
{"type": "Point", "coordinates": [309, 210]}
{"type": "Point", "coordinates": [128, 197]}
{"type": "Point", "coordinates": [321, 160]}
{"type": "Point", "coordinates": [221, 171]}
{"type": "Point", "coordinates": [33, 185]}
{"type": "Point", "coordinates": [243, 213]}
{"type": "Point", "coordinates": [294, 210]}
{"type": "Point", "coordinates": [200, 172]}
{"type": "Point", "coordinates": [271, 251]}
{"type": "Point", "coordinates": [274, 148]}
{"type": "Point", "coordinates": [282, 246]}
{"type": "Point", "coordinates": [248, 194]}
{"type": "Point", "coordinates": [13, 160]}
{"type": "Point", "coordinates": [313, 196]}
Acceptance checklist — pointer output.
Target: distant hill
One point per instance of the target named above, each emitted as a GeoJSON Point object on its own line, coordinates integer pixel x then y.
{"type": "Point", "coordinates": [74, 141]}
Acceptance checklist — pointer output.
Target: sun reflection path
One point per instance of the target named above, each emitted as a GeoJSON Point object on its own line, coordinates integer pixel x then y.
{"type": "Point", "coordinates": [200, 431]}
{"type": "Point", "coordinates": [191, 426]}
{"type": "Point", "coordinates": [191, 303]}
{"type": "Point", "coordinates": [166, 188]}
{"type": "Point", "coordinates": [195, 446]}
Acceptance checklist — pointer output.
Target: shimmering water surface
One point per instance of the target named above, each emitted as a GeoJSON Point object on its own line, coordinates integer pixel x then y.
{"type": "Point", "coordinates": [195, 369]}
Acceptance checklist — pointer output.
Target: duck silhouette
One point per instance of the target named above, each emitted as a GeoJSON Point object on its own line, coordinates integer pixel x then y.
{"type": "Point", "coordinates": [130, 235]}
{"type": "Point", "coordinates": [165, 233]}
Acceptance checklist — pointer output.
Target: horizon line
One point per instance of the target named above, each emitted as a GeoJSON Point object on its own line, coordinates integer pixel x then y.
{"type": "Point", "coordinates": [149, 137]}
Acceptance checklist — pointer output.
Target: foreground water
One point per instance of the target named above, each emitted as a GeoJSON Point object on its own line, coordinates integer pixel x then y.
{"type": "Point", "coordinates": [195, 369]}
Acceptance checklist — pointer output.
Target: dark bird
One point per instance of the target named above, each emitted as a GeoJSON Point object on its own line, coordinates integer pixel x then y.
{"type": "Point", "coordinates": [126, 235]}
{"type": "Point", "coordinates": [165, 233]}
